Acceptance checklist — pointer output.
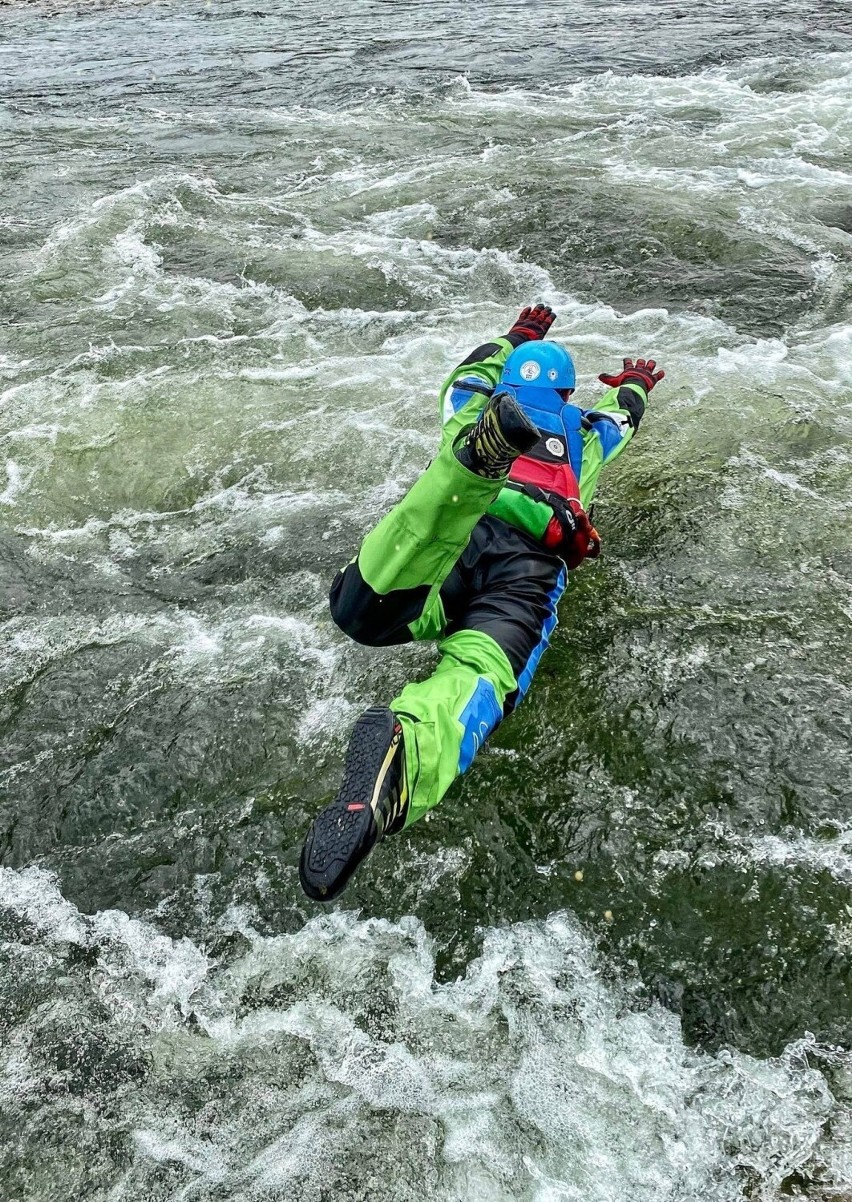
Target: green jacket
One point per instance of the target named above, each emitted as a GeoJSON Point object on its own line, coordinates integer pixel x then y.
{"type": "Point", "coordinates": [466, 391]}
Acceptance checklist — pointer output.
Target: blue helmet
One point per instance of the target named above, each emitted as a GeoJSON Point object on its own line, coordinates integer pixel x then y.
{"type": "Point", "coordinates": [540, 366]}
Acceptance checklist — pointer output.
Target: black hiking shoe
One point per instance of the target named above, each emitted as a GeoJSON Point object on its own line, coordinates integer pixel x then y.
{"type": "Point", "coordinates": [372, 803]}
{"type": "Point", "coordinates": [502, 433]}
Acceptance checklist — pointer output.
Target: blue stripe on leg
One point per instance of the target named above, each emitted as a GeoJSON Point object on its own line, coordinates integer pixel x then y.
{"type": "Point", "coordinates": [479, 717]}
{"type": "Point", "coordinates": [547, 629]}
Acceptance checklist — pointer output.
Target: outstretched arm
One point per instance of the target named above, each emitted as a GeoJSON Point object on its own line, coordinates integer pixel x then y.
{"type": "Point", "coordinates": [615, 418]}
{"type": "Point", "coordinates": [469, 386]}
{"type": "Point", "coordinates": [629, 390]}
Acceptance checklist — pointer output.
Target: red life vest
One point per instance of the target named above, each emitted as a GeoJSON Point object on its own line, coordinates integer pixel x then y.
{"type": "Point", "coordinates": [547, 467]}
{"type": "Point", "coordinates": [553, 463]}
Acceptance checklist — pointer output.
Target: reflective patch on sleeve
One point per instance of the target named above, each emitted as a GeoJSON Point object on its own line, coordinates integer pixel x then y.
{"type": "Point", "coordinates": [611, 429]}
{"type": "Point", "coordinates": [621, 419]}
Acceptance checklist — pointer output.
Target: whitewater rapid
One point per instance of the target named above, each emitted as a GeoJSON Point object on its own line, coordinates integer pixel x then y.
{"type": "Point", "coordinates": [238, 260]}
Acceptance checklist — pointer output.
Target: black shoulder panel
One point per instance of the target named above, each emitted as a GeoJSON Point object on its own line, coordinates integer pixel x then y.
{"type": "Point", "coordinates": [482, 352]}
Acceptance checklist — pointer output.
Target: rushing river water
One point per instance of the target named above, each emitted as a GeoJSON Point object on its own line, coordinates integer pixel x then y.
{"type": "Point", "coordinates": [240, 249]}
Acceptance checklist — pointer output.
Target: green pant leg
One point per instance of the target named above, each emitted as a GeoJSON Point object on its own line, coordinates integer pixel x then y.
{"type": "Point", "coordinates": [447, 718]}
{"type": "Point", "coordinates": [421, 538]}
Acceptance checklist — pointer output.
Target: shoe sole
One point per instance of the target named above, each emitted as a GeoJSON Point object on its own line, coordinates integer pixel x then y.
{"type": "Point", "coordinates": [502, 433]}
{"type": "Point", "coordinates": [525, 433]}
{"type": "Point", "coordinates": [345, 832]}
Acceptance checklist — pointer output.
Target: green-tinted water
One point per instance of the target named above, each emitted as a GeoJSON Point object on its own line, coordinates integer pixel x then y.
{"type": "Point", "coordinates": [240, 251]}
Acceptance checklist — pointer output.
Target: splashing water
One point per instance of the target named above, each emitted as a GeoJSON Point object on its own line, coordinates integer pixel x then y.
{"type": "Point", "coordinates": [284, 1067]}
{"type": "Point", "coordinates": [240, 252]}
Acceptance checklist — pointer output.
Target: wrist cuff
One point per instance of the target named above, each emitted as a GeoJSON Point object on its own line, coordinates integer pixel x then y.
{"type": "Point", "coordinates": [629, 399]}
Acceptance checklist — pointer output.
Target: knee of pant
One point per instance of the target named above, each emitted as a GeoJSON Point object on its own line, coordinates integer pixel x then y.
{"type": "Point", "coordinates": [362, 628]}
{"type": "Point", "coordinates": [365, 630]}
{"type": "Point", "coordinates": [355, 611]}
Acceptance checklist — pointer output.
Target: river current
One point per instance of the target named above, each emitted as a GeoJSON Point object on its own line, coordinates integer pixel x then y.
{"type": "Point", "coordinates": [240, 247]}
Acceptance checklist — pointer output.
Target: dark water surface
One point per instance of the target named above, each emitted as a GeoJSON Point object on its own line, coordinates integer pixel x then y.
{"type": "Point", "coordinates": [239, 250]}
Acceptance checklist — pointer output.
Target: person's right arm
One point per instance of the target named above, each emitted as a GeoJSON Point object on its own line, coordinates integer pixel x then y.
{"type": "Point", "coordinates": [467, 388]}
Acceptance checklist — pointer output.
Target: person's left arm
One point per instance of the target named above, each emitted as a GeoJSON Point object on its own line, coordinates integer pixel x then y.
{"type": "Point", "coordinates": [614, 420]}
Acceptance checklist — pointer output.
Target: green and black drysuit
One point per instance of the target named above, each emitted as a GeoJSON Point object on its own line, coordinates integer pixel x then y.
{"type": "Point", "coordinates": [460, 560]}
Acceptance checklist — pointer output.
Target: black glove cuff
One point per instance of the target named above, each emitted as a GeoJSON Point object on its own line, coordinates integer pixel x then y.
{"type": "Point", "coordinates": [519, 336]}
{"type": "Point", "coordinates": [632, 402]}
{"type": "Point", "coordinates": [644, 381]}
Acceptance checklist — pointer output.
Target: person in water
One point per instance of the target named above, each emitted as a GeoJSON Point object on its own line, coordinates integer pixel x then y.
{"type": "Point", "coordinates": [476, 556]}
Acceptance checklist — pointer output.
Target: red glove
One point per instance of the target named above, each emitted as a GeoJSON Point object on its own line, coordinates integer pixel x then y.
{"type": "Point", "coordinates": [644, 372]}
{"type": "Point", "coordinates": [532, 324]}
{"type": "Point", "coordinates": [572, 536]}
